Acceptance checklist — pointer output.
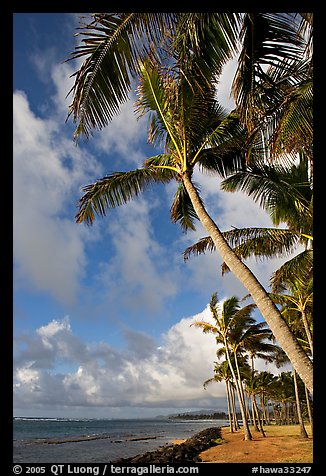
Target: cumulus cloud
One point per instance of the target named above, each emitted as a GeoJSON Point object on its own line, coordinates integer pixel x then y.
{"type": "Point", "coordinates": [54, 368]}
{"type": "Point", "coordinates": [97, 374]}
{"type": "Point", "coordinates": [125, 137]}
{"type": "Point", "coordinates": [48, 247]}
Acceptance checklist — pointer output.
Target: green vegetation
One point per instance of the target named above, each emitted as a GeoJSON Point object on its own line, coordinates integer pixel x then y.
{"type": "Point", "coordinates": [200, 416]}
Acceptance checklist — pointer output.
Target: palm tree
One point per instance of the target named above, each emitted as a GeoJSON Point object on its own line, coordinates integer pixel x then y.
{"type": "Point", "coordinates": [222, 372]}
{"type": "Point", "coordinates": [298, 300]}
{"type": "Point", "coordinates": [252, 388]}
{"type": "Point", "coordinates": [116, 47]}
{"type": "Point", "coordinates": [194, 129]}
{"type": "Point", "coordinates": [228, 317]}
{"type": "Point", "coordinates": [296, 308]}
{"type": "Point", "coordinates": [285, 395]}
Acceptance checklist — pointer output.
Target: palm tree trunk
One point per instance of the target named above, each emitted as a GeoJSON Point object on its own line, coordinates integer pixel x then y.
{"type": "Point", "coordinates": [234, 410]}
{"type": "Point", "coordinates": [309, 409]}
{"type": "Point", "coordinates": [245, 406]}
{"type": "Point", "coordinates": [247, 434]}
{"type": "Point", "coordinates": [228, 398]}
{"type": "Point", "coordinates": [269, 311]}
{"type": "Point", "coordinates": [303, 431]}
{"type": "Point", "coordinates": [253, 413]}
{"type": "Point", "coordinates": [307, 330]}
{"type": "Point", "coordinates": [258, 417]}
{"type": "Point", "coordinates": [262, 404]}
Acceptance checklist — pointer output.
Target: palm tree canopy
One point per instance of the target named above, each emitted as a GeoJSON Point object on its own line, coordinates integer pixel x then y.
{"type": "Point", "coordinates": [284, 191]}
{"type": "Point", "coordinates": [273, 83]}
{"type": "Point", "coordinates": [114, 46]}
{"type": "Point", "coordinates": [193, 128]}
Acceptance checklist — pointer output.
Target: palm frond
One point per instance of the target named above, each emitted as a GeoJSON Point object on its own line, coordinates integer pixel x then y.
{"type": "Point", "coordinates": [182, 210]}
{"type": "Point", "coordinates": [112, 45]}
{"type": "Point", "coordinates": [157, 94]}
{"type": "Point", "coordinates": [210, 380]}
{"type": "Point", "coordinates": [277, 189]}
{"type": "Point", "coordinates": [116, 189]}
{"type": "Point", "coordinates": [261, 243]}
{"type": "Point", "coordinates": [294, 129]}
{"type": "Point", "coordinates": [203, 245]}
{"type": "Point", "coordinates": [206, 327]}
{"type": "Point", "coordinates": [267, 39]}
{"type": "Point", "coordinates": [299, 268]}
{"type": "Point", "coordinates": [206, 40]}
{"type": "Point", "coordinates": [224, 153]}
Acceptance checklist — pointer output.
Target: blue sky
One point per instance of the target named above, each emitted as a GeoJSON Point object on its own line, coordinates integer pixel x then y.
{"type": "Point", "coordinates": [102, 314]}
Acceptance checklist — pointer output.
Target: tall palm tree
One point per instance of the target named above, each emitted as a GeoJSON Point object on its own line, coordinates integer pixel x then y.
{"type": "Point", "coordinates": [296, 307]}
{"type": "Point", "coordinates": [116, 47]}
{"type": "Point", "coordinates": [228, 317]}
{"type": "Point", "coordinates": [298, 300]}
{"type": "Point", "coordinates": [222, 372]}
{"type": "Point", "coordinates": [195, 132]}
{"type": "Point", "coordinates": [285, 192]}
{"type": "Point", "coordinates": [252, 387]}
{"type": "Point", "coordinates": [285, 394]}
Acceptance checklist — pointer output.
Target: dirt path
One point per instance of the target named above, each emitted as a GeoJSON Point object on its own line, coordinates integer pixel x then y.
{"type": "Point", "coordinates": [282, 444]}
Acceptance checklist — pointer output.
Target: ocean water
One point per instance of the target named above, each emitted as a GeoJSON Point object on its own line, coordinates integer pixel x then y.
{"type": "Point", "coordinates": [55, 440]}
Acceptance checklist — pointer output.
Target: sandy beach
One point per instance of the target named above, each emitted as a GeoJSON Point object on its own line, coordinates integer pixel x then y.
{"type": "Point", "coordinates": [283, 444]}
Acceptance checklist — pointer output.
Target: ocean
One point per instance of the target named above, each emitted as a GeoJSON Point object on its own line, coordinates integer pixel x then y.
{"type": "Point", "coordinates": [64, 440]}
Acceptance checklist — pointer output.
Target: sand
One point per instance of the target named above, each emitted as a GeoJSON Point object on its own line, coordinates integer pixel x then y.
{"type": "Point", "coordinates": [283, 444]}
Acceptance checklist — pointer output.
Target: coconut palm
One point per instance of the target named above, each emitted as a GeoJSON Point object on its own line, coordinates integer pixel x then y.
{"type": "Point", "coordinates": [113, 43]}
{"type": "Point", "coordinates": [196, 132]}
{"type": "Point", "coordinates": [252, 388]}
{"type": "Point", "coordinates": [222, 372]}
{"type": "Point", "coordinates": [285, 395]}
{"type": "Point", "coordinates": [229, 316]}
{"type": "Point", "coordinates": [296, 308]}
{"type": "Point", "coordinates": [298, 300]}
{"type": "Point", "coordinates": [116, 47]}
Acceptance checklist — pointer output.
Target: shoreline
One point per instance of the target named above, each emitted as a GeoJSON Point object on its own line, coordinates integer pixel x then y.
{"type": "Point", "coordinates": [179, 451]}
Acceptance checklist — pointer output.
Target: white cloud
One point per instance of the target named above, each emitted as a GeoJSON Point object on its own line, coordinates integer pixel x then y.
{"type": "Point", "coordinates": [170, 374]}
{"type": "Point", "coordinates": [225, 83]}
{"type": "Point", "coordinates": [95, 375]}
{"type": "Point", "coordinates": [48, 245]}
{"type": "Point", "coordinates": [139, 275]}
{"type": "Point", "coordinates": [125, 136]}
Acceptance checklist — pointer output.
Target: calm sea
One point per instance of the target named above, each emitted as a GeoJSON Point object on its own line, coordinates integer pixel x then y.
{"type": "Point", "coordinates": [52, 440]}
